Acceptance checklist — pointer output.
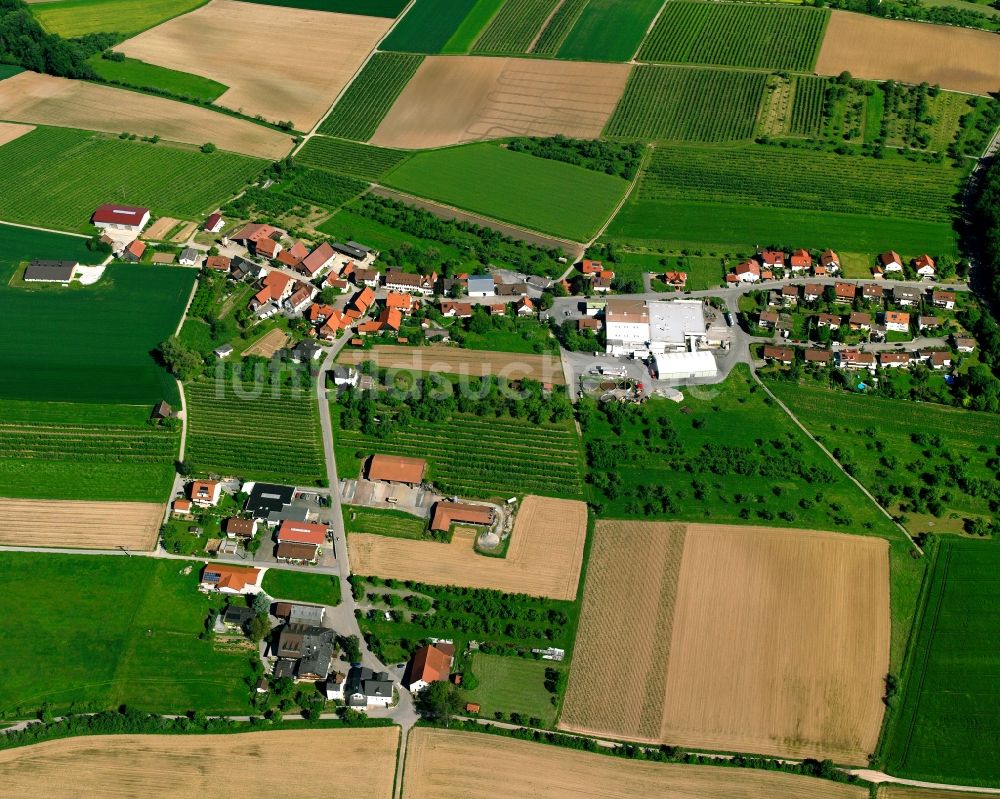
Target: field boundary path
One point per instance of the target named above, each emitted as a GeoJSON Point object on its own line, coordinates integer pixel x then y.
{"type": "Point", "coordinates": [44, 229]}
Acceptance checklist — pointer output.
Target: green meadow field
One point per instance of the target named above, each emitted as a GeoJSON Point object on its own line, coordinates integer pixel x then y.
{"type": "Point", "coordinates": [56, 177]}
{"type": "Point", "coordinates": [471, 26]}
{"type": "Point", "coordinates": [71, 18]}
{"type": "Point", "coordinates": [948, 721]}
{"type": "Point", "coordinates": [133, 72]}
{"type": "Point", "coordinates": [540, 194]}
{"type": "Point", "coordinates": [608, 30]}
{"type": "Point", "coordinates": [511, 685]}
{"type": "Point", "coordinates": [86, 343]}
{"type": "Point", "coordinates": [115, 631]}
{"type": "Point", "coordinates": [321, 589]}
{"type": "Point", "coordinates": [428, 26]}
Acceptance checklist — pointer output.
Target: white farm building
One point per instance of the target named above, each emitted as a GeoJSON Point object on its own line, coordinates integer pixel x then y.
{"type": "Point", "coordinates": [639, 329]}
{"type": "Point", "coordinates": [685, 365]}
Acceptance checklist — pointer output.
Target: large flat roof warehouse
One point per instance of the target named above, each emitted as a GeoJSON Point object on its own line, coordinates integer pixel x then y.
{"type": "Point", "coordinates": [685, 365]}
{"type": "Point", "coordinates": [50, 271]}
{"type": "Point", "coordinates": [677, 321]}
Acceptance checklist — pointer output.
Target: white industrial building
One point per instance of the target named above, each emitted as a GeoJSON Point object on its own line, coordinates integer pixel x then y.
{"type": "Point", "coordinates": [639, 329]}
{"type": "Point", "coordinates": [685, 365]}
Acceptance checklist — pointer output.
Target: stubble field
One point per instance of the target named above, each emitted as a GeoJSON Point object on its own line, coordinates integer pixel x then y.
{"type": "Point", "coordinates": [452, 100]}
{"type": "Point", "coordinates": [448, 764]}
{"type": "Point", "coordinates": [347, 764]}
{"type": "Point", "coordinates": [81, 525]}
{"type": "Point", "coordinates": [44, 100]}
{"type": "Point", "coordinates": [544, 558]}
{"type": "Point", "coordinates": [778, 639]}
{"type": "Point", "coordinates": [913, 52]}
{"type": "Point", "coordinates": [284, 63]}
{"type": "Point", "coordinates": [454, 360]}
{"type": "Point", "coordinates": [12, 130]}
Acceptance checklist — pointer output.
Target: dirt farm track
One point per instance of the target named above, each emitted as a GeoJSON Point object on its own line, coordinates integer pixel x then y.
{"type": "Point", "coordinates": [446, 764]}
{"type": "Point", "coordinates": [912, 52]}
{"type": "Point", "coordinates": [45, 100]}
{"type": "Point", "coordinates": [343, 764]}
{"type": "Point", "coordinates": [454, 360]}
{"type": "Point", "coordinates": [544, 558]}
{"type": "Point", "coordinates": [748, 639]}
{"type": "Point", "coordinates": [86, 525]}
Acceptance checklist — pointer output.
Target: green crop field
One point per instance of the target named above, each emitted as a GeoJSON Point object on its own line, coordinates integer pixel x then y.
{"type": "Point", "coordinates": [428, 26]}
{"type": "Point", "coordinates": [725, 227]}
{"type": "Point", "coordinates": [515, 27]}
{"type": "Point", "coordinates": [394, 523]}
{"type": "Point", "coordinates": [807, 105]}
{"type": "Point", "coordinates": [88, 343]}
{"type": "Point", "coordinates": [258, 432]}
{"type": "Point", "coordinates": [60, 450]}
{"type": "Point", "coordinates": [608, 30]}
{"type": "Point", "coordinates": [679, 103]}
{"type": "Point", "coordinates": [805, 180]}
{"type": "Point", "coordinates": [471, 26]}
{"type": "Point", "coordinates": [511, 685]}
{"type": "Point", "coordinates": [78, 17]}
{"type": "Point", "coordinates": [729, 458]}
{"type": "Point", "coordinates": [116, 631]}
{"type": "Point", "coordinates": [133, 72]}
{"type": "Point", "coordinates": [736, 34]}
{"type": "Point", "coordinates": [9, 70]}
{"type": "Point", "coordinates": [321, 589]}
{"type": "Point", "coordinates": [349, 158]}
{"type": "Point", "coordinates": [370, 8]}
{"type": "Point", "coordinates": [513, 187]}
{"type": "Point", "coordinates": [477, 457]}
{"type": "Point", "coordinates": [949, 718]}
{"type": "Point", "coordinates": [886, 442]}
{"type": "Point", "coordinates": [559, 26]}
{"type": "Point", "coordinates": [56, 177]}
{"type": "Point", "coordinates": [325, 188]}
{"type": "Point", "coordinates": [370, 96]}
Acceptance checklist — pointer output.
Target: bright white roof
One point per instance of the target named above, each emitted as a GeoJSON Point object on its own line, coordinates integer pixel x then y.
{"type": "Point", "coordinates": [685, 364]}
{"type": "Point", "coordinates": [670, 322]}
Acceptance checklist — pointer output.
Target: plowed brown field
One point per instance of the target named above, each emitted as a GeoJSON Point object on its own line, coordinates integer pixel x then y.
{"type": "Point", "coordinates": [160, 228]}
{"type": "Point", "coordinates": [86, 525]}
{"type": "Point", "coordinates": [45, 100]}
{"type": "Point", "coordinates": [912, 52]}
{"type": "Point", "coordinates": [454, 360]}
{"type": "Point", "coordinates": [268, 344]}
{"type": "Point", "coordinates": [282, 63]}
{"type": "Point", "coordinates": [455, 99]}
{"type": "Point", "coordinates": [446, 764]}
{"type": "Point", "coordinates": [778, 639]}
{"type": "Point", "coordinates": [11, 130]}
{"type": "Point", "coordinates": [344, 764]}
{"type": "Point", "coordinates": [544, 557]}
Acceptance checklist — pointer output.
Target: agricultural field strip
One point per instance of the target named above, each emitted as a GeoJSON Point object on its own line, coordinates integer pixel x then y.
{"type": "Point", "coordinates": [807, 105]}
{"type": "Point", "coordinates": [515, 27]}
{"type": "Point", "coordinates": [555, 32]}
{"type": "Point", "coordinates": [784, 37]}
{"type": "Point", "coordinates": [342, 157]}
{"type": "Point", "coordinates": [102, 525]}
{"type": "Point", "coordinates": [808, 180]}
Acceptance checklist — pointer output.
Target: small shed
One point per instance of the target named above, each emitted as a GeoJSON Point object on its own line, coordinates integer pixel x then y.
{"type": "Point", "coordinates": [162, 410]}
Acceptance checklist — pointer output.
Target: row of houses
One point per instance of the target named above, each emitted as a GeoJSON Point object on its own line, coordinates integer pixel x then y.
{"type": "Point", "coordinates": [846, 293]}
{"type": "Point", "coordinates": [853, 358]}
{"type": "Point", "coordinates": [773, 264]}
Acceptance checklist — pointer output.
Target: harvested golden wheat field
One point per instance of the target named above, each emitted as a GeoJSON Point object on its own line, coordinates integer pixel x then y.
{"type": "Point", "coordinates": [45, 100]}
{"type": "Point", "coordinates": [778, 639]}
{"type": "Point", "coordinates": [912, 52]}
{"type": "Point", "coordinates": [447, 764]}
{"type": "Point", "coordinates": [454, 360]}
{"type": "Point", "coordinates": [86, 525]}
{"type": "Point", "coordinates": [282, 63]}
{"type": "Point", "coordinates": [342, 764]}
{"type": "Point", "coordinates": [12, 130]}
{"type": "Point", "coordinates": [544, 557]}
{"type": "Point", "coordinates": [456, 99]}
{"type": "Point", "coordinates": [632, 577]}
{"type": "Point", "coordinates": [268, 344]}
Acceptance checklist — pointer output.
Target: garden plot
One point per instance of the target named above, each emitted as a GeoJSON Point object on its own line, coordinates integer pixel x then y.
{"type": "Point", "coordinates": [453, 360]}
{"type": "Point", "coordinates": [351, 764]}
{"type": "Point", "coordinates": [461, 99]}
{"type": "Point", "coordinates": [544, 557]}
{"type": "Point", "coordinates": [44, 100]}
{"type": "Point", "coordinates": [769, 641]}
{"type": "Point", "coordinates": [81, 525]}
{"type": "Point", "coordinates": [913, 52]}
{"type": "Point", "coordinates": [286, 64]}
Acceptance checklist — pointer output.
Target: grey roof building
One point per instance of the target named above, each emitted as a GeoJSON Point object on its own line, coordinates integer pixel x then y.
{"type": "Point", "coordinates": [266, 498]}
{"type": "Point", "coordinates": [50, 271]}
{"type": "Point", "coordinates": [364, 686]}
{"type": "Point", "coordinates": [352, 250]}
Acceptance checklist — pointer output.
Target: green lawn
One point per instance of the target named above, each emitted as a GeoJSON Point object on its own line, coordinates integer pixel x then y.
{"type": "Point", "coordinates": [609, 30]}
{"type": "Point", "coordinates": [321, 589]}
{"type": "Point", "coordinates": [102, 631]}
{"type": "Point", "coordinates": [71, 18]}
{"type": "Point", "coordinates": [394, 523]}
{"type": "Point", "coordinates": [428, 26]}
{"type": "Point", "coordinates": [138, 73]}
{"type": "Point", "coordinates": [56, 177]}
{"type": "Point", "coordinates": [511, 685]}
{"type": "Point", "coordinates": [540, 194]}
{"type": "Point", "coordinates": [949, 719]}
